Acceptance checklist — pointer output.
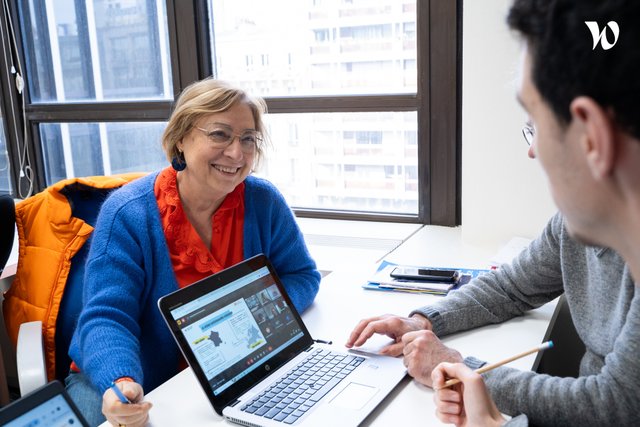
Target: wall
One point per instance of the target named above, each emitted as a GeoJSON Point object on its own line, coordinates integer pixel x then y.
{"type": "Point", "coordinates": [504, 193]}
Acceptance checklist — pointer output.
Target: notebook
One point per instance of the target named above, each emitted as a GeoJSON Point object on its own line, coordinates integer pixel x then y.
{"type": "Point", "coordinates": [256, 361]}
{"type": "Point", "coordinates": [48, 406]}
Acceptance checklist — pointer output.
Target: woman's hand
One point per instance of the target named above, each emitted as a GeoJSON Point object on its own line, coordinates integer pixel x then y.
{"type": "Point", "coordinates": [464, 404]}
{"type": "Point", "coordinates": [132, 414]}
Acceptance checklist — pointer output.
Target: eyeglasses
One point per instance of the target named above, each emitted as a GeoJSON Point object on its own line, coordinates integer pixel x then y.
{"type": "Point", "coordinates": [222, 136]}
{"type": "Point", "coordinates": [528, 131]}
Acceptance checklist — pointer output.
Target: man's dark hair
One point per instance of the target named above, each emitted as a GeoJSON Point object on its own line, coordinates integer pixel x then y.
{"type": "Point", "coordinates": [564, 63]}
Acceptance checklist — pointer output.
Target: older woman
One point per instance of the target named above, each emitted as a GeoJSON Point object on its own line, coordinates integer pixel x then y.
{"type": "Point", "coordinates": [170, 229]}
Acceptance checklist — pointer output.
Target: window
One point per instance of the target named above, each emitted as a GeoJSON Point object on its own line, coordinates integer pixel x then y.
{"type": "Point", "coordinates": [349, 117]}
{"type": "Point", "coordinates": [325, 145]}
{"type": "Point", "coordinates": [86, 62]}
{"type": "Point", "coordinates": [84, 149]}
{"type": "Point", "coordinates": [96, 50]}
{"type": "Point", "coordinates": [5, 172]}
{"type": "Point", "coordinates": [356, 62]}
{"type": "Point", "coordinates": [321, 35]}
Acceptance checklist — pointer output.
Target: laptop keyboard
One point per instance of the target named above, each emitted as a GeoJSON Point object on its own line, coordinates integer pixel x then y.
{"type": "Point", "coordinates": [298, 391]}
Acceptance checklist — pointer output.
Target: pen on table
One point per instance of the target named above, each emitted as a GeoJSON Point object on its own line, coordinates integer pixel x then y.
{"type": "Point", "coordinates": [544, 346]}
{"type": "Point", "coordinates": [119, 393]}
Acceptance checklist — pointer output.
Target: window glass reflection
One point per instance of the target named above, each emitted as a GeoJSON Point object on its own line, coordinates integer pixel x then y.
{"type": "Point", "coordinates": [5, 169]}
{"type": "Point", "coordinates": [96, 50]}
{"type": "Point", "coordinates": [332, 47]}
{"type": "Point", "coordinates": [352, 161]}
{"type": "Point", "coordinates": [86, 149]}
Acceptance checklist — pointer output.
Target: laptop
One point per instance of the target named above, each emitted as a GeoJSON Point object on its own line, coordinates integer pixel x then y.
{"type": "Point", "coordinates": [48, 406]}
{"type": "Point", "coordinates": [256, 361]}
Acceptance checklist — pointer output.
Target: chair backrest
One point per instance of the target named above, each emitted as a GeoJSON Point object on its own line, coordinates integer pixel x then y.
{"type": "Point", "coordinates": [54, 227]}
{"type": "Point", "coordinates": [564, 360]}
{"type": "Point", "coordinates": [85, 204]}
{"type": "Point", "coordinates": [7, 228]}
{"type": "Point", "coordinates": [7, 232]}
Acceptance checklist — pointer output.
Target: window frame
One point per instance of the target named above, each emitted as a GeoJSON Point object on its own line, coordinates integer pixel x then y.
{"type": "Point", "coordinates": [437, 102]}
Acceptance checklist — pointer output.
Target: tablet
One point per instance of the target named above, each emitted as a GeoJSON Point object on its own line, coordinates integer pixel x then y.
{"type": "Point", "coordinates": [48, 406]}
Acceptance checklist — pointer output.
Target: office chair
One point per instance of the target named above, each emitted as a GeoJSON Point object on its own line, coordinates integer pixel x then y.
{"type": "Point", "coordinates": [85, 202]}
{"type": "Point", "coordinates": [42, 305]}
{"type": "Point", "coordinates": [7, 231]}
{"type": "Point", "coordinates": [564, 360]}
{"type": "Point", "coordinates": [7, 228]}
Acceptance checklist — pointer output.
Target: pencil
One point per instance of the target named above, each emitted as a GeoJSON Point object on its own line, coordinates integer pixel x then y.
{"type": "Point", "coordinates": [120, 394]}
{"type": "Point", "coordinates": [544, 346]}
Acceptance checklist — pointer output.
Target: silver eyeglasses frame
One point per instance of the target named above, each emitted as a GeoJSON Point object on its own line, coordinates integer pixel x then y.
{"type": "Point", "coordinates": [218, 142]}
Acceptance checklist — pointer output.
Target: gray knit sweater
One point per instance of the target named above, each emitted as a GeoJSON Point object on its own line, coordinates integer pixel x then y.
{"type": "Point", "coordinates": [600, 294]}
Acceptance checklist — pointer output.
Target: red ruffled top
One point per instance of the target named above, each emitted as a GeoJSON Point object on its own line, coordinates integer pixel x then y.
{"type": "Point", "coordinates": [190, 258]}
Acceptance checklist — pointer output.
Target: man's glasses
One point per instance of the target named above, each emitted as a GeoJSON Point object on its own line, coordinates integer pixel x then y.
{"type": "Point", "coordinates": [222, 136]}
{"type": "Point", "coordinates": [528, 131]}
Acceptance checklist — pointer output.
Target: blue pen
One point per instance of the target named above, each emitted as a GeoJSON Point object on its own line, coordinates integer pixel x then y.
{"type": "Point", "coordinates": [119, 393]}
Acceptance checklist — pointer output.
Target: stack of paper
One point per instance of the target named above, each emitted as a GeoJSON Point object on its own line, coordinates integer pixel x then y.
{"type": "Point", "coordinates": [382, 281]}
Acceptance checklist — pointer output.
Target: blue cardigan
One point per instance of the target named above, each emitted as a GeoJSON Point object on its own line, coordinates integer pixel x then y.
{"type": "Point", "coordinates": [120, 331]}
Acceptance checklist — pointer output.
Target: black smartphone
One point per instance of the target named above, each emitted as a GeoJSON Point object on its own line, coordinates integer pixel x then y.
{"type": "Point", "coordinates": [426, 274]}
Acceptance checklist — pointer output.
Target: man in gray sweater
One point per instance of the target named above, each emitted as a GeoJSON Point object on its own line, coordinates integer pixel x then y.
{"type": "Point", "coordinates": [580, 87]}
{"type": "Point", "coordinates": [583, 101]}
{"type": "Point", "coordinates": [601, 297]}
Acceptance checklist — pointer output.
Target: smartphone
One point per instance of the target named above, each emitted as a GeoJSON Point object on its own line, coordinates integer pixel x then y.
{"type": "Point", "coordinates": [426, 274]}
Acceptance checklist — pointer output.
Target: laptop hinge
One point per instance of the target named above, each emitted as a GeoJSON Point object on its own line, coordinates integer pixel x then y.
{"type": "Point", "coordinates": [234, 403]}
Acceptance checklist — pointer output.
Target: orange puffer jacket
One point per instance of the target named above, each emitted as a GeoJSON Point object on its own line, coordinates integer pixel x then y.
{"type": "Point", "coordinates": [49, 236]}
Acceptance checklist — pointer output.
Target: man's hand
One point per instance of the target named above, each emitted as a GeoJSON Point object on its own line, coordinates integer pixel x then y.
{"type": "Point", "coordinates": [423, 351]}
{"type": "Point", "coordinates": [465, 404]}
{"type": "Point", "coordinates": [135, 414]}
{"type": "Point", "coordinates": [390, 325]}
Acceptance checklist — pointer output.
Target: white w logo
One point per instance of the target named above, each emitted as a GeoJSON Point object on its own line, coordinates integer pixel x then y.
{"type": "Point", "coordinates": [602, 36]}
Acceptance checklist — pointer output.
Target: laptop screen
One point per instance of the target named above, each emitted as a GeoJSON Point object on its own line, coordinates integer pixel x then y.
{"type": "Point", "coordinates": [48, 406]}
{"type": "Point", "coordinates": [237, 330]}
{"type": "Point", "coordinates": [230, 330]}
{"type": "Point", "coordinates": [53, 412]}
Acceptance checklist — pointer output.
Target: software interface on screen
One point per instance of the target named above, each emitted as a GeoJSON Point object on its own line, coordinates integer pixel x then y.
{"type": "Point", "coordinates": [55, 412]}
{"type": "Point", "coordinates": [232, 330]}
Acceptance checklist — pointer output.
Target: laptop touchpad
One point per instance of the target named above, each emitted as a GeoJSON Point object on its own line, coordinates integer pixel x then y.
{"type": "Point", "coordinates": [354, 396]}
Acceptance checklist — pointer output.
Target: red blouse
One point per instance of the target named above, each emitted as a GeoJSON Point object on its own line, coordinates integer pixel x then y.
{"type": "Point", "coordinates": [190, 258]}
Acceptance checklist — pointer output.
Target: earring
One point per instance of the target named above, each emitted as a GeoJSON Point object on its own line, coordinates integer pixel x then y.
{"type": "Point", "coordinates": [178, 162]}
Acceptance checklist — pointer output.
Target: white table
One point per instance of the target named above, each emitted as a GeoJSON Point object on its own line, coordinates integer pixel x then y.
{"type": "Point", "coordinates": [341, 303]}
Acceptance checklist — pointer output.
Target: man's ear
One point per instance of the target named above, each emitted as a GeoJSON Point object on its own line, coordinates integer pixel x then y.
{"type": "Point", "coordinates": [598, 139]}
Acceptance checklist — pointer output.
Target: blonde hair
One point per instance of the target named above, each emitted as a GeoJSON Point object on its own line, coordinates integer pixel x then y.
{"type": "Point", "coordinates": [205, 97]}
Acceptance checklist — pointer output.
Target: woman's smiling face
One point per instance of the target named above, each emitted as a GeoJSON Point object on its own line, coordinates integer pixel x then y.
{"type": "Point", "coordinates": [213, 169]}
